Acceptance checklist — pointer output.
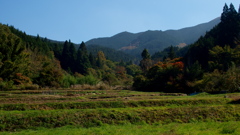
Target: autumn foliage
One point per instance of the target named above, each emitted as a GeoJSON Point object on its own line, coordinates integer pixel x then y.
{"type": "Point", "coordinates": [163, 76]}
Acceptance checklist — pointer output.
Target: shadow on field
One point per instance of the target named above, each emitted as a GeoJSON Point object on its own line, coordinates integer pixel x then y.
{"type": "Point", "coordinates": [236, 101]}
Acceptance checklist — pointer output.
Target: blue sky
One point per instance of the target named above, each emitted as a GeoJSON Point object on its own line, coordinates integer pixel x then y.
{"type": "Point", "coordinates": [82, 20]}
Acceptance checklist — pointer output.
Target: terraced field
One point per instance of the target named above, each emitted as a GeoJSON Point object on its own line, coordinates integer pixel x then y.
{"type": "Point", "coordinates": [99, 111]}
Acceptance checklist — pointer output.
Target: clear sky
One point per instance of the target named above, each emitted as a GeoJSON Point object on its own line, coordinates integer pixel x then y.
{"type": "Point", "coordinates": [82, 20]}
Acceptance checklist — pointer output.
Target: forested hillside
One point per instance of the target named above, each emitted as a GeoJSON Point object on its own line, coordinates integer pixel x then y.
{"type": "Point", "coordinates": [112, 54]}
{"type": "Point", "coordinates": [211, 64]}
{"type": "Point", "coordinates": [154, 41]}
{"type": "Point", "coordinates": [191, 34]}
{"type": "Point", "coordinates": [28, 62]}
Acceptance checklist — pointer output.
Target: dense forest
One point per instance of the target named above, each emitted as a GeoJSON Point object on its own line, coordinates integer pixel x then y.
{"type": "Point", "coordinates": [28, 62]}
{"type": "Point", "coordinates": [210, 64]}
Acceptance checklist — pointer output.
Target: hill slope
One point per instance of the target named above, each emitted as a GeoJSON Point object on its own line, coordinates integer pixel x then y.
{"type": "Point", "coordinates": [153, 40]}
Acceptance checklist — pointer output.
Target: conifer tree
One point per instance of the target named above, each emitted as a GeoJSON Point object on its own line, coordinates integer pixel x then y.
{"type": "Point", "coordinates": [239, 10]}
{"type": "Point", "coordinates": [65, 56]}
{"type": "Point", "coordinates": [57, 51]}
{"type": "Point", "coordinates": [145, 54]}
{"type": "Point", "coordinates": [229, 26]}
{"type": "Point", "coordinates": [72, 57]}
{"type": "Point", "coordinates": [92, 60]}
{"type": "Point", "coordinates": [100, 59]}
{"type": "Point", "coordinates": [171, 53]}
{"type": "Point", "coordinates": [146, 61]}
{"type": "Point", "coordinates": [82, 60]}
{"type": "Point", "coordinates": [224, 13]}
{"type": "Point", "coordinates": [83, 48]}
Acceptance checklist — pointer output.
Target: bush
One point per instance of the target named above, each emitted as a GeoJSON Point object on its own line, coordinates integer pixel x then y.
{"type": "Point", "coordinates": [30, 87]}
{"type": "Point", "coordinates": [219, 81]}
{"type": "Point", "coordinates": [103, 86]}
{"type": "Point", "coordinates": [5, 85]}
{"type": "Point", "coordinates": [89, 79]}
{"type": "Point", "coordinates": [110, 79]}
{"type": "Point", "coordinates": [70, 80]}
{"type": "Point", "coordinates": [140, 82]}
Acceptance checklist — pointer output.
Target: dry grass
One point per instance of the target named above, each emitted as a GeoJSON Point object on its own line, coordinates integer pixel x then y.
{"type": "Point", "coordinates": [79, 94]}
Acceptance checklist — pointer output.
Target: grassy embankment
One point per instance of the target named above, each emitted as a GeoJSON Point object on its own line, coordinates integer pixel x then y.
{"type": "Point", "coordinates": [99, 110]}
{"type": "Point", "coordinates": [198, 128]}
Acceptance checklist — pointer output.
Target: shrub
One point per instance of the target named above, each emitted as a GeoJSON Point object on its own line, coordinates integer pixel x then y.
{"type": "Point", "coordinates": [217, 81]}
{"type": "Point", "coordinates": [68, 80]}
{"type": "Point", "coordinates": [30, 87]}
{"type": "Point", "coordinates": [103, 86]}
{"type": "Point", "coordinates": [140, 82]}
{"type": "Point", "coordinates": [110, 79]}
{"type": "Point", "coordinates": [89, 79]}
{"type": "Point", "coordinates": [5, 85]}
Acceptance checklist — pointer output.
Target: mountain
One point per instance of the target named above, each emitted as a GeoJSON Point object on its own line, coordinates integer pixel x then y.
{"type": "Point", "coordinates": [111, 54]}
{"type": "Point", "coordinates": [191, 34]}
{"type": "Point", "coordinates": [154, 41]}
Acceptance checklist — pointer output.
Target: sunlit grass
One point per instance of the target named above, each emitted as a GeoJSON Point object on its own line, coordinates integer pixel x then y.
{"type": "Point", "coordinates": [201, 128]}
{"type": "Point", "coordinates": [95, 109]}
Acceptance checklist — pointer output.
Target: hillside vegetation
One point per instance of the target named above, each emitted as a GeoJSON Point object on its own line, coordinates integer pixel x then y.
{"type": "Point", "coordinates": [134, 43]}
{"type": "Point", "coordinates": [29, 62]}
{"type": "Point", "coordinates": [51, 87]}
{"type": "Point", "coordinates": [211, 64]}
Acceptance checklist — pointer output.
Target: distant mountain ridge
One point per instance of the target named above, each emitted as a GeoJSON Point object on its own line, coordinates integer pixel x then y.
{"type": "Point", "coordinates": [134, 43]}
{"type": "Point", "coordinates": [195, 32]}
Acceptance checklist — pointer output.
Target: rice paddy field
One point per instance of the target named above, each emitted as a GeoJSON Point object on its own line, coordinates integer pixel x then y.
{"type": "Point", "coordinates": [97, 112]}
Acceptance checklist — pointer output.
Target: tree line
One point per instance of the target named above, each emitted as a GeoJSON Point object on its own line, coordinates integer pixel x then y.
{"type": "Point", "coordinates": [211, 64]}
{"type": "Point", "coordinates": [30, 62]}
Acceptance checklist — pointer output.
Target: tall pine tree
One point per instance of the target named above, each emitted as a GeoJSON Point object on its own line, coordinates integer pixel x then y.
{"type": "Point", "coordinates": [65, 56]}
{"type": "Point", "coordinates": [146, 61]}
{"type": "Point", "coordinates": [171, 53]}
{"type": "Point", "coordinates": [72, 57]}
{"type": "Point", "coordinates": [92, 60]}
{"type": "Point", "coordinates": [82, 60]}
{"type": "Point", "coordinates": [229, 26]}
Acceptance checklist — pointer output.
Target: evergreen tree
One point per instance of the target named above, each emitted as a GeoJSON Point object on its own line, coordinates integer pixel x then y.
{"type": "Point", "coordinates": [224, 13]}
{"type": "Point", "coordinates": [65, 56]}
{"type": "Point", "coordinates": [225, 33]}
{"type": "Point", "coordinates": [92, 60]}
{"type": "Point", "coordinates": [101, 59]}
{"type": "Point", "coordinates": [171, 53]}
{"type": "Point", "coordinates": [146, 61]}
{"type": "Point", "coordinates": [82, 61]}
{"type": "Point", "coordinates": [145, 54]}
{"type": "Point", "coordinates": [57, 51]}
{"type": "Point", "coordinates": [83, 48]}
{"type": "Point", "coordinates": [194, 72]}
{"type": "Point", "coordinates": [229, 27]}
{"type": "Point", "coordinates": [68, 57]}
{"type": "Point", "coordinates": [239, 10]}
{"type": "Point", "coordinates": [122, 63]}
{"type": "Point", "coordinates": [72, 57]}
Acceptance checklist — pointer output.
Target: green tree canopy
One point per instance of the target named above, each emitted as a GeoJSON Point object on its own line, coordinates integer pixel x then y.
{"type": "Point", "coordinates": [171, 53]}
{"type": "Point", "coordinates": [145, 54]}
{"type": "Point", "coordinates": [13, 57]}
{"type": "Point", "coordinates": [146, 61]}
{"type": "Point", "coordinates": [82, 60]}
